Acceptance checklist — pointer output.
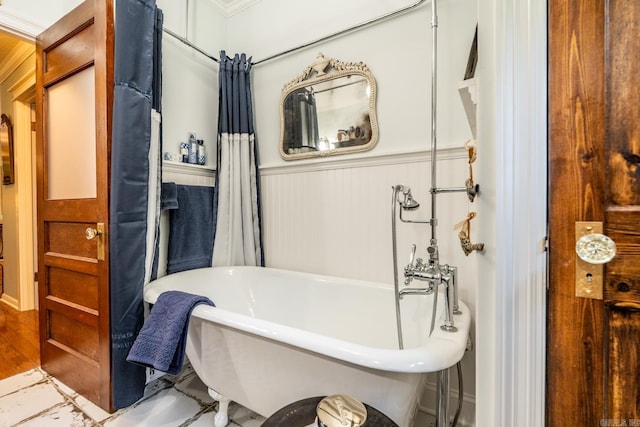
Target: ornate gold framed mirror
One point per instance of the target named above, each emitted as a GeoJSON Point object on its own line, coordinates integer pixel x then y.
{"type": "Point", "coordinates": [6, 142]}
{"type": "Point", "coordinates": [330, 108]}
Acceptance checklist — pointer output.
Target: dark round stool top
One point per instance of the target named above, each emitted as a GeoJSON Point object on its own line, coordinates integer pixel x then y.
{"type": "Point", "coordinates": [303, 412]}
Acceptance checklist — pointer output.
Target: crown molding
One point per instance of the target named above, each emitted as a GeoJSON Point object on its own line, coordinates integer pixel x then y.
{"type": "Point", "coordinates": [231, 7]}
{"type": "Point", "coordinates": [25, 86]}
{"type": "Point", "coordinates": [18, 26]}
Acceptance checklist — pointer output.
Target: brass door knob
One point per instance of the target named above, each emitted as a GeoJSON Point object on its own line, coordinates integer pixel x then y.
{"type": "Point", "coordinates": [91, 233]}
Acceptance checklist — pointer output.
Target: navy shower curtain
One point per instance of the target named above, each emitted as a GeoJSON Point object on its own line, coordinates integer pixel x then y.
{"type": "Point", "coordinates": [238, 239]}
{"type": "Point", "coordinates": [135, 181]}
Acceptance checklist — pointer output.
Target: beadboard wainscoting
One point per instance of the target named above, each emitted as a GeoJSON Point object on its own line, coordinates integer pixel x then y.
{"type": "Point", "coordinates": [333, 216]}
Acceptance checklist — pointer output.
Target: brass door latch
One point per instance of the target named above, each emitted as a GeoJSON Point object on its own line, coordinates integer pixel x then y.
{"type": "Point", "coordinates": [98, 232]}
{"type": "Point", "coordinates": [593, 250]}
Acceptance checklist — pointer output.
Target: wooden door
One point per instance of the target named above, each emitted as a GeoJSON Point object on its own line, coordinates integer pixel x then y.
{"type": "Point", "coordinates": [593, 345]}
{"type": "Point", "coordinates": [74, 84]}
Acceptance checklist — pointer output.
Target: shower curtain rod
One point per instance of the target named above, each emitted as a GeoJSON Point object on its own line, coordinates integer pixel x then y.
{"type": "Point", "coordinates": [191, 45]}
{"type": "Point", "coordinates": [305, 45]}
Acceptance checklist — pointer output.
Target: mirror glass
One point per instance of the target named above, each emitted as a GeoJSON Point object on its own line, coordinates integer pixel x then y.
{"type": "Point", "coordinates": [6, 142]}
{"type": "Point", "coordinates": [328, 109]}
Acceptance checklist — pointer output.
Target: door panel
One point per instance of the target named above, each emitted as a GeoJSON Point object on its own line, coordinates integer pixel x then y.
{"type": "Point", "coordinates": [593, 346]}
{"type": "Point", "coordinates": [622, 218]}
{"type": "Point", "coordinates": [575, 367]}
{"type": "Point", "coordinates": [624, 371]}
{"type": "Point", "coordinates": [74, 84]}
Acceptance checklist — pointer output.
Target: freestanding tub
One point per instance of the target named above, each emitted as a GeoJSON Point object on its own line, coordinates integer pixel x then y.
{"type": "Point", "coordinates": [276, 337]}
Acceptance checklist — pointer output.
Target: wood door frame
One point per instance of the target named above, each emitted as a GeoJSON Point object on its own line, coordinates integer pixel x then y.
{"type": "Point", "coordinates": [24, 189]}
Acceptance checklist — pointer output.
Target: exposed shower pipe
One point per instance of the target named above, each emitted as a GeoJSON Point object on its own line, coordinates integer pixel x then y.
{"type": "Point", "coordinates": [433, 272]}
{"type": "Point", "coordinates": [443, 376]}
{"type": "Point", "coordinates": [434, 124]}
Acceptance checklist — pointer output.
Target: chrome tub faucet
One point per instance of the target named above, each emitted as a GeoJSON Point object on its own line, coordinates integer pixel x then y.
{"type": "Point", "coordinates": [434, 275]}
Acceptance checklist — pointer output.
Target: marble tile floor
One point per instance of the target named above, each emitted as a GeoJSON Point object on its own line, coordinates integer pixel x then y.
{"type": "Point", "coordinates": [35, 399]}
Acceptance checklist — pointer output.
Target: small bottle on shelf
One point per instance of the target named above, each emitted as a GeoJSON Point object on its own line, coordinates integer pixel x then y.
{"type": "Point", "coordinates": [193, 149]}
{"type": "Point", "coordinates": [202, 156]}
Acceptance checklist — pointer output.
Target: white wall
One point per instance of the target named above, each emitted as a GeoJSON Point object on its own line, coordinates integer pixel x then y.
{"type": "Point", "coordinates": [308, 21]}
{"type": "Point", "coordinates": [190, 79]}
{"type": "Point", "coordinates": [189, 97]}
{"type": "Point", "coordinates": [398, 53]}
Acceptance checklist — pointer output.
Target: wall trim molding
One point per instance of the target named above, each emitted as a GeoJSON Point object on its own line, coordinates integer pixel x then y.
{"type": "Point", "coordinates": [19, 26]}
{"type": "Point", "coordinates": [11, 302]}
{"type": "Point", "coordinates": [187, 169]}
{"type": "Point", "coordinates": [24, 87]}
{"type": "Point", "coordinates": [24, 199]}
{"type": "Point", "coordinates": [231, 7]}
{"type": "Point", "coordinates": [348, 162]}
{"type": "Point", "coordinates": [511, 308]}
{"type": "Point", "coordinates": [17, 56]}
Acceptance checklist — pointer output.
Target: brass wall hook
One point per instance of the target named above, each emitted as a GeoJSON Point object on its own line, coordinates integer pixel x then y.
{"type": "Point", "coordinates": [472, 189]}
{"type": "Point", "coordinates": [467, 246]}
{"type": "Point", "coordinates": [465, 235]}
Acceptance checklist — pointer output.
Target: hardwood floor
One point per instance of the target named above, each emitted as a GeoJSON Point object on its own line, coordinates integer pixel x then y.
{"type": "Point", "coordinates": [19, 341]}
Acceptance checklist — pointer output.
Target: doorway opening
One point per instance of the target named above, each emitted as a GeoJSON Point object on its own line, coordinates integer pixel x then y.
{"type": "Point", "coordinates": [19, 338]}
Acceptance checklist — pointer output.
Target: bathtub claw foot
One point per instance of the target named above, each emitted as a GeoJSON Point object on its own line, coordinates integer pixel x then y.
{"type": "Point", "coordinates": [221, 419]}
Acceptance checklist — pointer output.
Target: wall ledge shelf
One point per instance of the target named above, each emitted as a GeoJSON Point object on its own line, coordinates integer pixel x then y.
{"type": "Point", "coordinates": [187, 168]}
{"type": "Point", "coordinates": [468, 90]}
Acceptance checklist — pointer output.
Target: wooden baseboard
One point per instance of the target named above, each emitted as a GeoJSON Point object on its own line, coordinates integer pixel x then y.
{"type": "Point", "coordinates": [10, 301]}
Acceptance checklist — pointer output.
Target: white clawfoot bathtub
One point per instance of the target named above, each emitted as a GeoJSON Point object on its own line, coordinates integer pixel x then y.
{"type": "Point", "coordinates": [276, 337]}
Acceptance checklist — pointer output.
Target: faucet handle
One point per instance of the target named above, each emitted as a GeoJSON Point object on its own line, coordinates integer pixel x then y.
{"type": "Point", "coordinates": [412, 256]}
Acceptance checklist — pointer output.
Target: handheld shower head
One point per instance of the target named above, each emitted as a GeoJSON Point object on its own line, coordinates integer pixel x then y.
{"type": "Point", "coordinates": [408, 202]}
